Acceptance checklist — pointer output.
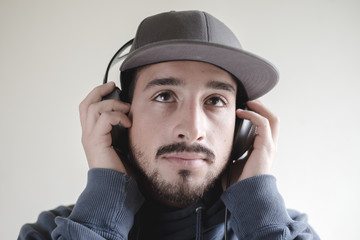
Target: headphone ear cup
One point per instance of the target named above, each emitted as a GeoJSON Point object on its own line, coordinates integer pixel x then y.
{"type": "Point", "coordinates": [115, 94]}
{"type": "Point", "coordinates": [118, 133]}
{"type": "Point", "coordinates": [244, 137]}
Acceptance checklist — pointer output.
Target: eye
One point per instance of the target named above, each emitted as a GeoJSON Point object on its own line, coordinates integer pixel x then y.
{"type": "Point", "coordinates": [165, 97]}
{"type": "Point", "coordinates": [216, 101]}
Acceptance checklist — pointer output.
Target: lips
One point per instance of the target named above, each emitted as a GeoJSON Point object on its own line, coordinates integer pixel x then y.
{"type": "Point", "coordinates": [185, 159]}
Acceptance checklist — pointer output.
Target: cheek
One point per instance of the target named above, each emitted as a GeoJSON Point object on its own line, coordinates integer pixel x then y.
{"type": "Point", "coordinates": [147, 127]}
{"type": "Point", "coordinates": [222, 136]}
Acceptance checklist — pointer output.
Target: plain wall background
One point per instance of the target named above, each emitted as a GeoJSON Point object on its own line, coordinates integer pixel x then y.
{"type": "Point", "coordinates": [52, 53]}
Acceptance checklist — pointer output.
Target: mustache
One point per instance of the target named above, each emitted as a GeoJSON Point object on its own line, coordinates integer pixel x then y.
{"type": "Point", "coordinates": [183, 147]}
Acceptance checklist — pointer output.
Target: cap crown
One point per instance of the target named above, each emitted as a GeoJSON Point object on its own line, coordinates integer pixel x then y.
{"type": "Point", "coordinates": [198, 36]}
{"type": "Point", "coordinates": [187, 25]}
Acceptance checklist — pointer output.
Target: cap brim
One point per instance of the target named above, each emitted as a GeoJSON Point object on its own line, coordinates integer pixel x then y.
{"type": "Point", "coordinates": [256, 74]}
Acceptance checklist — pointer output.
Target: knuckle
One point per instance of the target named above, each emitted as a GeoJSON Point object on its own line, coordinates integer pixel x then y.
{"type": "Point", "coordinates": [264, 123]}
{"type": "Point", "coordinates": [105, 115]}
{"type": "Point", "coordinates": [106, 118]}
{"type": "Point", "coordinates": [112, 104]}
{"type": "Point", "coordinates": [275, 119]}
{"type": "Point", "coordinates": [92, 109]}
{"type": "Point", "coordinates": [85, 141]}
{"type": "Point", "coordinates": [82, 107]}
{"type": "Point", "coordinates": [118, 105]}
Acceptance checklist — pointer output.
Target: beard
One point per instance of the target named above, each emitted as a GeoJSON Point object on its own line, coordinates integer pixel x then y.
{"type": "Point", "coordinates": [182, 192]}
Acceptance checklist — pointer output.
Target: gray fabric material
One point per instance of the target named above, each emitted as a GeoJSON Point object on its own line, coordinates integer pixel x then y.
{"type": "Point", "coordinates": [198, 36]}
{"type": "Point", "coordinates": [107, 208]}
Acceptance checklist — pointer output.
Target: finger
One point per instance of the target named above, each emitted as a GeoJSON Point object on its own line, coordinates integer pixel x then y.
{"type": "Point", "coordinates": [109, 119]}
{"type": "Point", "coordinates": [94, 96]}
{"type": "Point", "coordinates": [274, 121]}
{"type": "Point", "coordinates": [96, 109]}
{"type": "Point", "coordinates": [263, 130]}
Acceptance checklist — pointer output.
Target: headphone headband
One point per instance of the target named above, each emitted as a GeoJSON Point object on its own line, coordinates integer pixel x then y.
{"type": "Point", "coordinates": [117, 58]}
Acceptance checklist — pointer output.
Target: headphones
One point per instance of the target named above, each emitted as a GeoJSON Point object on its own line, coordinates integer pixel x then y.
{"type": "Point", "coordinates": [244, 135]}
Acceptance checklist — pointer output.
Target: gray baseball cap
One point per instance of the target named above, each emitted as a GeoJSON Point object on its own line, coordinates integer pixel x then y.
{"type": "Point", "coordinates": [198, 36]}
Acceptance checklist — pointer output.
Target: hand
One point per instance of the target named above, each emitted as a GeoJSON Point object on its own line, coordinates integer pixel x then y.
{"type": "Point", "coordinates": [265, 145]}
{"type": "Point", "coordinates": [97, 118]}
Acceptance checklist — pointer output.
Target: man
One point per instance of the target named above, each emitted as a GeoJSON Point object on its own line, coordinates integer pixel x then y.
{"type": "Point", "coordinates": [160, 158]}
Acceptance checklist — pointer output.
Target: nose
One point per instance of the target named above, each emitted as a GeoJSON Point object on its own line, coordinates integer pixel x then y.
{"type": "Point", "coordinates": [190, 123]}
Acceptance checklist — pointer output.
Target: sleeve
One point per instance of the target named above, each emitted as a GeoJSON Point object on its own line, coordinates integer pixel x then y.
{"type": "Point", "coordinates": [44, 225]}
{"type": "Point", "coordinates": [105, 210]}
{"type": "Point", "coordinates": [257, 211]}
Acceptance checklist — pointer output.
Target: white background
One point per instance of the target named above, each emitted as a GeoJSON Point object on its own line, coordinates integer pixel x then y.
{"type": "Point", "coordinates": [52, 53]}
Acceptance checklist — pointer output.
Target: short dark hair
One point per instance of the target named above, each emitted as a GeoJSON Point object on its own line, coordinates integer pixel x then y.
{"type": "Point", "coordinates": [128, 82]}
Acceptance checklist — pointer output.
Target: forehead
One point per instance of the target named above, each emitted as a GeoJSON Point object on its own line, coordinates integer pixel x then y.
{"type": "Point", "coordinates": [185, 73]}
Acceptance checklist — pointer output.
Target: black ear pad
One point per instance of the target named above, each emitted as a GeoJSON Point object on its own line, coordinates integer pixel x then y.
{"type": "Point", "coordinates": [244, 137]}
{"type": "Point", "coordinates": [118, 133]}
{"type": "Point", "coordinates": [115, 94]}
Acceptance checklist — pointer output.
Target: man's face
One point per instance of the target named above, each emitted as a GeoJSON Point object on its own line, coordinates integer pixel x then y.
{"type": "Point", "coordinates": [183, 120]}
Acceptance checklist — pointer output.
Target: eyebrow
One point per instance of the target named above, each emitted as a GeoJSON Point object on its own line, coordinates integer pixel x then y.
{"type": "Point", "coordinates": [177, 82]}
{"type": "Point", "coordinates": [220, 86]}
{"type": "Point", "coordinates": [164, 82]}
